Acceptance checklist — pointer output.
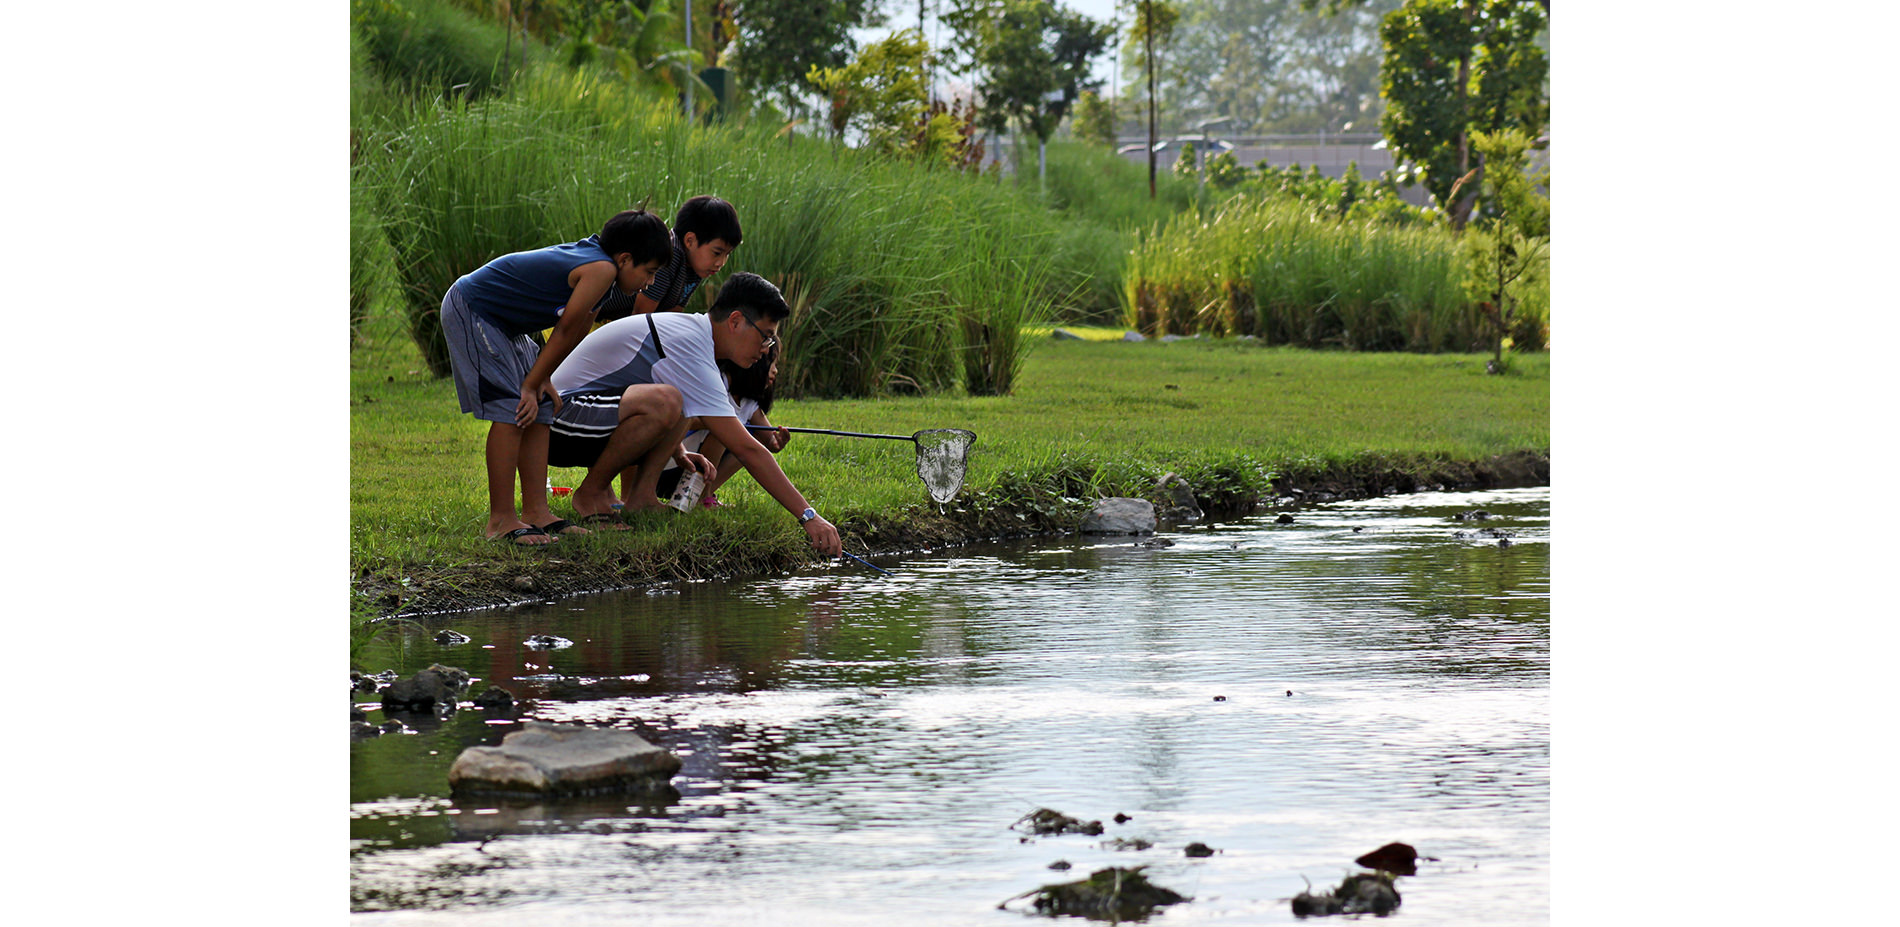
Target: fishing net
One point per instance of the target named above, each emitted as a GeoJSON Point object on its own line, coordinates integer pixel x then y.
{"type": "Point", "coordinates": [940, 460]}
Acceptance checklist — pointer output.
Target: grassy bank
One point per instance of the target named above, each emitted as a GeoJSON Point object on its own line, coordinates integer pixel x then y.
{"type": "Point", "coordinates": [1088, 419]}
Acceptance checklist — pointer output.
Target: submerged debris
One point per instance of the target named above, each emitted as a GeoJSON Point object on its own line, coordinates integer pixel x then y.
{"type": "Point", "coordinates": [1364, 893]}
{"type": "Point", "coordinates": [1107, 894]}
{"type": "Point", "coordinates": [1043, 822]}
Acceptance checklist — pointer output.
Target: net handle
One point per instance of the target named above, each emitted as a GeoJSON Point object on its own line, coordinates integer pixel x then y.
{"type": "Point", "coordinates": [827, 431]}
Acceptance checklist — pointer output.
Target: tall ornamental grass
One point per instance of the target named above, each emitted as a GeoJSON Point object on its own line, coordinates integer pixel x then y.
{"type": "Point", "coordinates": [877, 257]}
{"type": "Point", "coordinates": [1275, 270]}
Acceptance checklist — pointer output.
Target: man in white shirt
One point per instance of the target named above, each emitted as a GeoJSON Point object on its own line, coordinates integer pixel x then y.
{"type": "Point", "coordinates": [629, 387]}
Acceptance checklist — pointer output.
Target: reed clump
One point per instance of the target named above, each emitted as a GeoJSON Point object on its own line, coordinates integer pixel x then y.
{"type": "Point", "coordinates": [1279, 270]}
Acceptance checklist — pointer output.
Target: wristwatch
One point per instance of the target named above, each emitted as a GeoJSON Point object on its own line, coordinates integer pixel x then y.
{"type": "Point", "coordinates": [807, 515]}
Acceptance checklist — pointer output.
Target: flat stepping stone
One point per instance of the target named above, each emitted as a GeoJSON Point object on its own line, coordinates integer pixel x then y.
{"type": "Point", "coordinates": [564, 759]}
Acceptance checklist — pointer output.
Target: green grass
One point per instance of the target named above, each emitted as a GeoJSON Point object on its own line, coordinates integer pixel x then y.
{"type": "Point", "coordinates": [1088, 419]}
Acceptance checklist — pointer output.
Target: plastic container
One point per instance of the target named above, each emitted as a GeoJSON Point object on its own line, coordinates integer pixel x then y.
{"type": "Point", "coordinates": [687, 494]}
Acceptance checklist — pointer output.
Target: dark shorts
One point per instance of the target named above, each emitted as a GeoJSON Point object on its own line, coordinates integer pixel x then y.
{"type": "Point", "coordinates": [566, 450]}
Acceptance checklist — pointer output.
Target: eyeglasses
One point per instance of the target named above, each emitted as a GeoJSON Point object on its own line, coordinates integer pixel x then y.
{"type": "Point", "coordinates": [771, 341]}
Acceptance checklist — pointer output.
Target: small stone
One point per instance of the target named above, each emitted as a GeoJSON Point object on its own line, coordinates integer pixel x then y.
{"type": "Point", "coordinates": [357, 714]}
{"type": "Point", "coordinates": [1062, 334]}
{"type": "Point", "coordinates": [495, 698]}
{"type": "Point", "coordinates": [1504, 542]}
{"type": "Point", "coordinates": [1199, 850]}
{"type": "Point", "coordinates": [1121, 818]}
{"type": "Point", "coordinates": [524, 584]}
{"type": "Point", "coordinates": [546, 642]}
{"type": "Point", "coordinates": [1289, 693]}
{"type": "Point", "coordinates": [1284, 519]}
{"type": "Point", "coordinates": [448, 638]}
{"type": "Point", "coordinates": [393, 727]}
{"type": "Point", "coordinates": [360, 730]}
{"type": "Point", "coordinates": [1059, 864]}
{"type": "Point", "coordinates": [1133, 336]}
{"type": "Point", "coordinates": [1128, 843]}
{"type": "Point", "coordinates": [1220, 698]}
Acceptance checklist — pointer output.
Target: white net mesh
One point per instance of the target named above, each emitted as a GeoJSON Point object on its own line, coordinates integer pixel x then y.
{"type": "Point", "coordinates": [940, 460]}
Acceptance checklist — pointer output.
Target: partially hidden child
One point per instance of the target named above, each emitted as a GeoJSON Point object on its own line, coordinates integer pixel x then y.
{"type": "Point", "coordinates": [629, 390]}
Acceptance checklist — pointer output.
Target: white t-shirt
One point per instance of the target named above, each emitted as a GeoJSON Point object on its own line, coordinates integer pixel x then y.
{"type": "Point", "coordinates": [617, 355]}
{"type": "Point", "coordinates": [697, 436]}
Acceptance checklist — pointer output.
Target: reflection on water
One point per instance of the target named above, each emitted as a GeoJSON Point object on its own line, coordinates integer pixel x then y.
{"type": "Point", "coordinates": [855, 746]}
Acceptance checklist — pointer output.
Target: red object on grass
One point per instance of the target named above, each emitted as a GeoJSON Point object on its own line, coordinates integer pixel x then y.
{"type": "Point", "coordinates": [563, 490]}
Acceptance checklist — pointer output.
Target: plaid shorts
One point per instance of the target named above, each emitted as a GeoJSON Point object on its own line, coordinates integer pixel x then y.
{"type": "Point", "coordinates": [488, 365]}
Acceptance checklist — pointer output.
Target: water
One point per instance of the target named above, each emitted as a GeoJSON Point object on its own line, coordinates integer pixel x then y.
{"type": "Point", "coordinates": [857, 746]}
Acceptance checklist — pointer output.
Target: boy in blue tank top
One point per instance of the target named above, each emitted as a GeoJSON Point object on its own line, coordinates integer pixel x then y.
{"type": "Point", "coordinates": [501, 376]}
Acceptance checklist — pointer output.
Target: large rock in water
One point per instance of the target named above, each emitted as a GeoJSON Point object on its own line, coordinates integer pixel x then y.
{"type": "Point", "coordinates": [433, 689]}
{"type": "Point", "coordinates": [564, 759]}
{"type": "Point", "coordinates": [1120, 515]}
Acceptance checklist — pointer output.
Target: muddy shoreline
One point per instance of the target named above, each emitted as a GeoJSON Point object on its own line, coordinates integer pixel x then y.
{"type": "Point", "coordinates": [468, 587]}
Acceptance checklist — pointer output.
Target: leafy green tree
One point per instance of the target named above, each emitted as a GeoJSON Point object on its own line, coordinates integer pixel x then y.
{"type": "Point", "coordinates": [880, 93]}
{"type": "Point", "coordinates": [1512, 238]}
{"type": "Point", "coordinates": [1095, 119]}
{"type": "Point", "coordinates": [1267, 66]}
{"type": "Point", "coordinates": [1031, 57]}
{"type": "Point", "coordinates": [1457, 66]}
{"type": "Point", "coordinates": [780, 40]}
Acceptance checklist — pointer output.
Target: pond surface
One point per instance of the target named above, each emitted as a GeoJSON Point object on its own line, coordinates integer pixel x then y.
{"type": "Point", "coordinates": [857, 746]}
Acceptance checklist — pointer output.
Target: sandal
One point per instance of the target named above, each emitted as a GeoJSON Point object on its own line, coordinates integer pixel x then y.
{"type": "Point", "coordinates": [514, 537]}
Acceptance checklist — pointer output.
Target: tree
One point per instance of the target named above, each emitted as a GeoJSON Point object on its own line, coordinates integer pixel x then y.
{"type": "Point", "coordinates": [780, 40]}
{"type": "Point", "coordinates": [1452, 67]}
{"type": "Point", "coordinates": [880, 93]}
{"type": "Point", "coordinates": [1032, 57]}
{"type": "Point", "coordinates": [1513, 235]}
{"type": "Point", "coordinates": [1095, 119]}
{"type": "Point", "coordinates": [1154, 22]}
{"type": "Point", "coordinates": [1267, 66]}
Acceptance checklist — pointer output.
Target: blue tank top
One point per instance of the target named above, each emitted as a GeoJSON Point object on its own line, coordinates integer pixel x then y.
{"type": "Point", "coordinates": [525, 291]}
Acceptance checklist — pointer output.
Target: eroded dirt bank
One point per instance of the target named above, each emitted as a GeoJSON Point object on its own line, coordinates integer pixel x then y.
{"type": "Point", "coordinates": [486, 585]}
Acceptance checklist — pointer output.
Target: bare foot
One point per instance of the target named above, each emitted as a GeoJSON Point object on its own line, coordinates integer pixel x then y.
{"type": "Point", "coordinates": [594, 503]}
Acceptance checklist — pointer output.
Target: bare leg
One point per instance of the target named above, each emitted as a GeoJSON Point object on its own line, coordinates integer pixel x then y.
{"type": "Point", "coordinates": [502, 456]}
{"type": "Point", "coordinates": [650, 427]}
{"type": "Point", "coordinates": [727, 465]}
{"type": "Point", "coordinates": [646, 486]}
{"type": "Point", "coordinates": [534, 480]}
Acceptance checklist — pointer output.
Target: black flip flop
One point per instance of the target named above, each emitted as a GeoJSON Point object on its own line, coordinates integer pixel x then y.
{"type": "Point", "coordinates": [528, 532]}
{"type": "Point", "coordinates": [611, 519]}
{"type": "Point", "coordinates": [560, 526]}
